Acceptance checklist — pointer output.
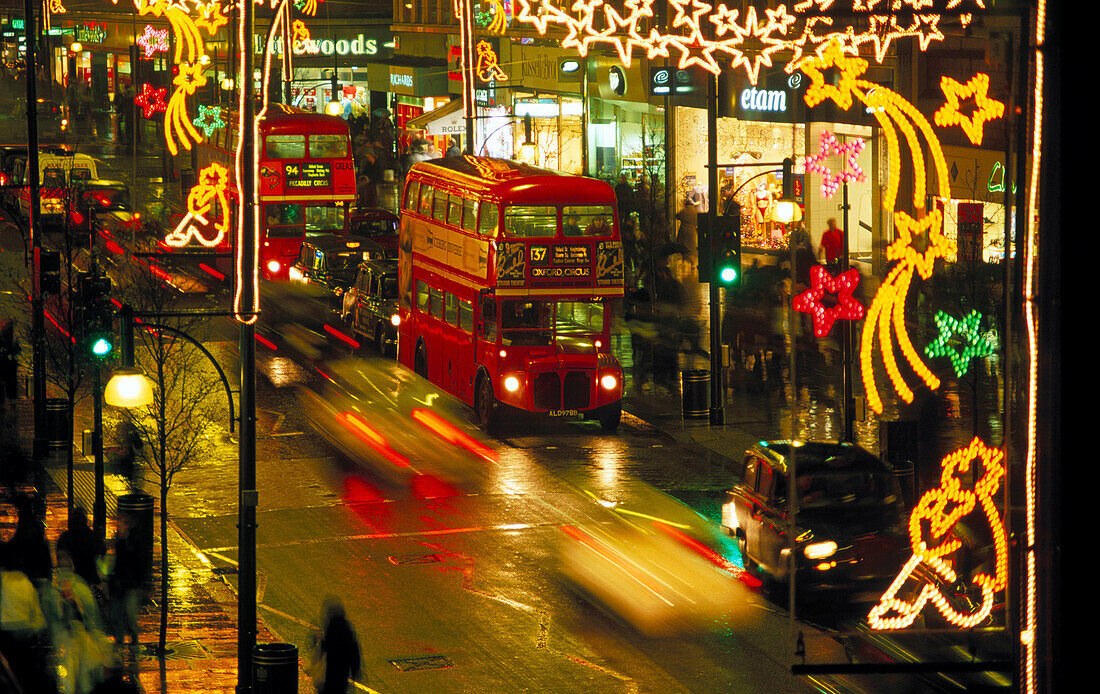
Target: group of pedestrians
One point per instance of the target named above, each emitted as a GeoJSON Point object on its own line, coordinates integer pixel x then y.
{"type": "Point", "coordinates": [65, 614]}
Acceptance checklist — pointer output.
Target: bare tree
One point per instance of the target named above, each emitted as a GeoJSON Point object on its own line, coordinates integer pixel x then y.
{"type": "Point", "coordinates": [178, 425]}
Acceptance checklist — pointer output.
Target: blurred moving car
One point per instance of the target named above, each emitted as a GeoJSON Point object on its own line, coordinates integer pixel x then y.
{"type": "Point", "coordinates": [101, 205]}
{"type": "Point", "coordinates": [330, 262]}
{"type": "Point", "coordinates": [383, 417]}
{"type": "Point", "coordinates": [656, 564]}
{"type": "Point", "coordinates": [378, 225]}
{"type": "Point", "coordinates": [849, 537]}
{"type": "Point", "coordinates": [370, 305]}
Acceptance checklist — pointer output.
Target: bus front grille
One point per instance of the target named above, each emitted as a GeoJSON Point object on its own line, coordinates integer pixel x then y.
{"type": "Point", "coordinates": [547, 391]}
{"type": "Point", "coordinates": [578, 390]}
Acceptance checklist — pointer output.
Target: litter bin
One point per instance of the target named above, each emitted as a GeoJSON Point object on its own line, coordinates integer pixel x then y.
{"type": "Point", "coordinates": [138, 509]}
{"type": "Point", "coordinates": [275, 668]}
{"type": "Point", "coordinates": [695, 386]}
{"type": "Point", "coordinates": [188, 179]}
{"type": "Point", "coordinates": [59, 424]}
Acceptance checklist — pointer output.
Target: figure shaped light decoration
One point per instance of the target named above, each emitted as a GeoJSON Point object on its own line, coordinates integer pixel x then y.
{"type": "Point", "coordinates": [885, 325]}
{"type": "Point", "coordinates": [488, 65]}
{"type": "Point", "coordinates": [851, 171]}
{"type": "Point", "coordinates": [985, 108]}
{"type": "Point", "coordinates": [846, 307]}
{"type": "Point", "coordinates": [211, 187]}
{"type": "Point", "coordinates": [931, 575]}
{"type": "Point", "coordinates": [712, 36]}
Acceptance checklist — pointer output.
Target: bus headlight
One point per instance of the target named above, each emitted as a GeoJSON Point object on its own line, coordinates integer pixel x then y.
{"type": "Point", "coordinates": [608, 381]}
{"type": "Point", "coordinates": [511, 384]}
{"type": "Point", "coordinates": [273, 266]}
{"type": "Point", "coordinates": [395, 320]}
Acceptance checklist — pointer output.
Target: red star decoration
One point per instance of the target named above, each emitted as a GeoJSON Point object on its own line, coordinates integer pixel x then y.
{"type": "Point", "coordinates": [151, 100]}
{"type": "Point", "coordinates": [822, 283]}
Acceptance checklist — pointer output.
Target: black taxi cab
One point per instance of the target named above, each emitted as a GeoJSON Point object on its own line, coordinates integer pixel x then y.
{"type": "Point", "coordinates": [330, 261]}
{"type": "Point", "coordinates": [849, 537]}
{"type": "Point", "coordinates": [370, 304]}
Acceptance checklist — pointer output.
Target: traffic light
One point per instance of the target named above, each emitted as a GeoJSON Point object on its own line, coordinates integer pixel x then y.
{"type": "Point", "coordinates": [49, 272]}
{"type": "Point", "coordinates": [96, 315]}
{"type": "Point", "coordinates": [726, 237]}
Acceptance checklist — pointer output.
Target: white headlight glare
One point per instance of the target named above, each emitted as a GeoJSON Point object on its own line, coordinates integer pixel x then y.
{"type": "Point", "coordinates": [395, 320]}
{"type": "Point", "coordinates": [511, 384]}
{"type": "Point", "coordinates": [273, 266]}
{"type": "Point", "coordinates": [820, 550]}
{"type": "Point", "coordinates": [608, 381]}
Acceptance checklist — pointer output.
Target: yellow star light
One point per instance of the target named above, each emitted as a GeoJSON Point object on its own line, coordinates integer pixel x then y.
{"type": "Point", "coordinates": [850, 66]}
{"type": "Point", "coordinates": [939, 246]}
{"type": "Point", "coordinates": [985, 108]}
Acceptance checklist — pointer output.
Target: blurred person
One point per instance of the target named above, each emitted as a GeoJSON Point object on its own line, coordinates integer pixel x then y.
{"type": "Point", "coordinates": [336, 651]}
{"type": "Point", "coordinates": [597, 227]}
{"type": "Point", "coordinates": [624, 196]}
{"type": "Point", "coordinates": [832, 246]}
{"type": "Point", "coordinates": [23, 633]}
{"type": "Point", "coordinates": [129, 447]}
{"type": "Point", "coordinates": [687, 234]}
{"type": "Point", "coordinates": [667, 312]}
{"type": "Point", "coordinates": [453, 150]}
{"type": "Point", "coordinates": [129, 583]}
{"type": "Point", "coordinates": [29, 550]}
{"type": "Point", "coordinates": [83, 548]}
{"type": "Point", "coordinates": [82, 651]}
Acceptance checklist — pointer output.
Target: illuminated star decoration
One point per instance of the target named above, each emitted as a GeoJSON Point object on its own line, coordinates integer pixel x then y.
{"type": "Point", "coordinates": [209, 120]}
{"type": "Point", "coordinates": [985, 108]}
{"type": "Point", "coordinates": [822, 283]}
{"type": "Point", "coordinates": [153, 41]}
{"type": "Point", "coordinates": [976, 345]}
{"type": "Point", "coordinates": [936, 548]}
{"type": "Point", "coordinates": [852, 171]}
{"type": "Point", "coordinates": [151, 100]}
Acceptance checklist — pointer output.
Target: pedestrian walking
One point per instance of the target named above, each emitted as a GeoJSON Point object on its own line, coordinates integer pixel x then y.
{"type": "Point", "coordinates": [832, 246]}
{"type": "Point", "coordinates": [82, 652]}
{"type": "Point", "coordinates": [667, 312]}
{"type": "Point", "coordinates": [23, 634]}
{"type": "Point", "coordinates": [129, 583]}
{"type": "Point", "coordinates": [130, 444]}
{"type": "Point", "coordinates": [687, 234]}
{"type": "Point", "coordinates": [29, 550]}
{"type": "Point", "coordinates": [84, 548]}
{"type": "Point", "coordinates": [336, 658]}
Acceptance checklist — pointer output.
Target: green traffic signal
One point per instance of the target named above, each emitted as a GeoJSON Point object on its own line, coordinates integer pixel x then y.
{"type": "Point", "coordinates": [101, 347]}
{"type": "Point", "coordinates": [728, 275]}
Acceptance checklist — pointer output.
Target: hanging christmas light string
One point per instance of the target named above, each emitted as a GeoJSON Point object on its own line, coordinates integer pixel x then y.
{"type": "Point", "coordinates": [885, 326]}
{"type": "Point", "coordinates": [745, 40]}
{"type": "Point", "coordinates": [187, 19]}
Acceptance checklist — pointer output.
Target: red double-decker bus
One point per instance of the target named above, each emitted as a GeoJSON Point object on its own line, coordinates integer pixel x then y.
{"type": "Point", "coordinates": [306, 179]}
{"type": "Point", "coordinates": [507, 279]}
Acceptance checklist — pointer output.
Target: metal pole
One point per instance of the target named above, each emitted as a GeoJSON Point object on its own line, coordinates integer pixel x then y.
{"type": "Point", "coordinates": [717, 392]}
{"type": "Point", "coordinates": [38, 321]}
{"type": "Point", "coordinates": [846, 337]}
{"type": "Point", "coordinates": [246, 450]}
{"type": "Point", "coordinates": [99, 504]}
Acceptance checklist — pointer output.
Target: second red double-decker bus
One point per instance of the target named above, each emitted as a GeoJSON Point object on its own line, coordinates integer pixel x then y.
{"type": "Point", "coordinates": [508, 275]}
{"type": "Point", "coordinates": [306, 179]}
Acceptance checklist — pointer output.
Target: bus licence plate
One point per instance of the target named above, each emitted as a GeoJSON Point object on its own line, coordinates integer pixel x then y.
{"type": "Point", "coordinates": [563, 413]}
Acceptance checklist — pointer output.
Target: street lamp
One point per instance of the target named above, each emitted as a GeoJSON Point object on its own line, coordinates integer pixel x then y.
{"type": "Point", "coordinates": [526, 152]}
{"type": "Point", "coordinates": [129, 388]}
{"type": "Point", "coordinates": [786, 210]}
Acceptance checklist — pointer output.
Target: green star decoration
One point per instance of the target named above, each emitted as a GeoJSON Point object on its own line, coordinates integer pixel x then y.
{"type": "Point", "coordinates": [974, 345]}
{"type": "Point", "coordinates": [209, 119]}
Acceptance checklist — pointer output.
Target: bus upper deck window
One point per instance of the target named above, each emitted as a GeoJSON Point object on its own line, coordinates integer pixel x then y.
{"type": "Point", "coordinates": [531, 221]}
{"type": "Point", "coordinates": [327, 146]}
{"type": "Point", "coordinates": [469, 214]}
{"type": "Point", "coordinates": [587, 220]}
{"type": "Point", "coordinates": [426, 200]}
{"type": "Point", "coordinates": [285, 146]}
{"type": "Point", "coordinates": [487, 219]}
{"type": "Point", "coordinates": [412, 196]}
{"type": "Point", "coordinates": [454, 210]}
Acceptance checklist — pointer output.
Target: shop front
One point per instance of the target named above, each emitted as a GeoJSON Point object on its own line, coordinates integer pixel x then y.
{"type": "Point", "coordinates": [758, 127]}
